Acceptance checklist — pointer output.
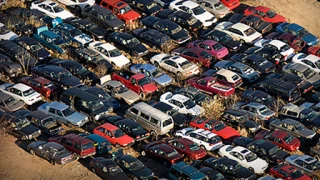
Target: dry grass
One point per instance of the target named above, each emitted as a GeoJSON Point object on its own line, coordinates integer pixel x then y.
{"type": "Point", "coordinates": [14, 3]}
{"type": "Point", "coordinates": [100, 70]}
{"type": "Point", "coordinates": [214, 107]}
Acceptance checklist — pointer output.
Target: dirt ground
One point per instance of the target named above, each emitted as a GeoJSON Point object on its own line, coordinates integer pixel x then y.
{"type": "Point", "coordinates": [16, 163]}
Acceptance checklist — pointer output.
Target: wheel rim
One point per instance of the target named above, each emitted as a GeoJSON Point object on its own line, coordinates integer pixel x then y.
{"type": "Point", "coordinates": [75, 156]}
{"type": "Point", "coordinates": [156, 64]}
{"type": "Point", "coordinates": [143, 153]}
{"type": "Point", "coordinates": [117, 146]}
{"type": "Point", "coordinates": [31, 151]}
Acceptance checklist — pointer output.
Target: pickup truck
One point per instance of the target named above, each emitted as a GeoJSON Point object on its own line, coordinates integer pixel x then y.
{"type": "Point", "coordinates": [138, 83]}
{"type": "Point", "coordinates": [315, 151]}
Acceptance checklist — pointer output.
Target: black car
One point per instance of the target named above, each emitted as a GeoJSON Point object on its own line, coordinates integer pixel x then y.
{"type": "Point", "coordinates": [17, 25]}
{"type": "Point", "coordinates": [90, 59]}
{"type": "Point", "coordinates": [240, 119]}
{"type": "Point", "coordinates": [26, 14]}
{"type": "Point", "coordinates": [252, 21]}
{"type": "Point", "coordinates": [180, 120]}
{"type": "Point", "coordinates": [192, 93]}
{"type": "Point", "coordinates": [103, 17]}
{"type": "Point", "coordinates": [268, 53]}
{"type": "Point", "coordinates": [221, 37]}
{"type": "Point", "coordinates": [255, 61]}
{"type": "Point", "coordinates": [57, 75]}
{"type": "Point", "coordinates": [128, 43]}
{"type": "Point", "coordinates": [211, 173]}
{"type": "Point", "coordinates": [302, 84]}
{"type": "Point", "coordinates": [267, 151]}
{"type": "Point", "coordinates": [111, 119]}
{"type": "Point", "coordinates": [153, 38]}
{"type": "Point", "coordinates": [34, 47]}
{"type": "Point", "coordinates": [88, 27]}
{"type": "Point", "coordinates": [9, 68]}
{"type": "Point", "coordinates": [229, 168]}
{"type": "Point", "coordinates": [104, 97]}
{"type": "Point", "coordinates": [241, 141]}
{"type": "Point", "coordinates": [46, 123]}
{"type": "Point", "coordinates": [107, 169]}
{"type": "Point", "coordinates": [132, 129]}
{"type": "Point", "coordinates": [258, 96]}
{"type": "Point", "coordinates": [76, 69]}
{"type": "Point", "coordinates": [172, 29]}
{"type": "Point", "coordinates": [182, 18]}
{"type": "Point", "coordinates": [146, 7]}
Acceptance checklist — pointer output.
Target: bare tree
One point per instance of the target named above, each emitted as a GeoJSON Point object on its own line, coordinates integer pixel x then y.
{"type": "Point", "coordinates": [277, 105]}
{"type": "Point", "coordinates": [214, 107]}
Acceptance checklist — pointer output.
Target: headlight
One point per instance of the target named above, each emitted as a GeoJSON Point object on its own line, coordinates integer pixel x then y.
{"type": "Point", "coordinates": [39, 131]}
{"type": "Point", "coordinates": [97, 117]}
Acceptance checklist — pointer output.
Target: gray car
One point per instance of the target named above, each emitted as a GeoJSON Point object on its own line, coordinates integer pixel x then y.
{"type": "Point", "coordinates": [216, 7]}
{"type": "Point", "coordinates": [64, 113]}
{"type": "Point", "coordinates": [304, 72]}
{"type": "Point", "coordinates": [153, 73]}
{"type": "Point", "coordinates": [51, 151]}
{"type": "Point", "coordinates": [256, 110]}
{"type": "Point", "coordinates": [9, 104]}
{"type": "Point", "coordinates": [308, 164]}
{"type": "Point", "coordinates": [120, 91]}
{"type": "Point", "coordinates": [293, 127]}
{"type": "Point", "coordinates": [8, 67]}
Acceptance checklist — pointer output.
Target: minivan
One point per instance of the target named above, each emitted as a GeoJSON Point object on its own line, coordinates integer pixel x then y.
{"type": "Point", "coordinates": [150, 118]}
{"type": "Point", "coordinates": [283, 89]}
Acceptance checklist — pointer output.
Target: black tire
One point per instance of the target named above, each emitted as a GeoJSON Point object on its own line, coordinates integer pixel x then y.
{"type": "Point", "coordinates": [250, 168]}
{"type": "Point", "coordinates": [242, 41]}
{"type": "Point", "coordinates": [153, 135]}
{"type": "Point", "coordinates": [31, 151]}
{"type": "Point", "coordinates": [117, 146]}
{"type": "Point", "coordinates": [93, 170]}
{"type": "Point", "coordinates": [75, 156]}
{"type": "Point", "coordinates": [156, 64]}
{"type": "Point", "coordinates": [53, 162]}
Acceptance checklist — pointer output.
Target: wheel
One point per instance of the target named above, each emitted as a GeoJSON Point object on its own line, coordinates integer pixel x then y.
{"type": "Point", "coordinates": [93, 170]}
{"type": "Point", "coordinates": [202, 147]}
{"type": "Point", "coordinates": [154, 47]}
{"type": "Point", "coordinates": [143, 153]}
{"type": "Point", "coordinates": [117, 146]}
{"type": "Point", "coordinates": [317, 157]}
{"type": "Point", "coordinates": [153, 135]}
{"type": "Point", "coordinates": [53, 162]}
{"type": "Point", "coordinates": [134, 178]}
{"type": "Point", "coordinates": [75, 156]}
{"type": "Point", "coordinates": [315, 129]}
{"type": "Point", "coordinates": [31, 151]}
{"type": "Point", "coordinates": [69, 124]}
{"type": "Point", "coordinates": [113, 64]}
{"type": "Point", "coordinates": [156, 64]}
{"type": "Point", "coordinates": [242, 41]}
{"type": "Point", "coordinates": [250, 168]}
{"type": "Point", "coordinates": [315, 177]}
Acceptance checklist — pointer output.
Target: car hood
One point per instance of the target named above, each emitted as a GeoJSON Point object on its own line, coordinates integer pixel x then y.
{"type": "Point", "coordinates": [101, 109]}
{"type": "Point", "coordinates": [232, 44]}
{"type": "Point", "coordinates": [262, 26]}
{"type": "Point", "coordinates": [179, 119]}
{"type": "Point", "coordinates": [227, 132]}
{"type": "Point", "coordinates": [88, 75]}
{"type": "Point", "coordinates": [76, 117]}
{"type": "Point", "coordinates": [316, 121]}
{"type": "Point", "coordinates": [83, 38]}
{"type": "Point", "coordinates": [153, 10]}
{"type": "Point", "coordinates": [144, 172]}
{"type": "Point", "coordinates": [130, 95]}
{"type": "Point", "coordinates": [16, 106]}
{"type": "Point", "coordinates": [268, 65]}
{"type": "Point", "coordinates": [180, 35]}
{"type": "Point", "coordinates": [196, 110]}
{"type": "Point", "coordinates": [115, 23]}
{"type": "Point", "coordinates": [164, 79]}
{"type": "Point", "coordinates": [305, 85]}
{"type": "Point", "coordinates": [149, 88]}
{"type": "Point", "coordinates": [98, 31]}
{"type": "Point", "coordinates": [281, 155]}
{"type": "Point", "coordinates": [41, 53]}
{"type": "Point", "coordinates": [138, 133]}
{"type": "Point", "coordinates": [29, 129]}
{"type": "Point", "coordinates": [243, 173]}
{"type": "Point", "coordinates": [197, 25]}
{"type": "Point", "coordinates": [15, 67]}
{"type": "Point", "coordinates": [314, 79]}
{"type": "Point", "coordinates": [140, 48]}
{"type": "Point", "coordinates": [112, 102]}
{"type": "Point", "coordinates": [130, 15]}
{"type": "Point", "coordinates": [70, 81]}
{"type": "Point", "coordinates": [310, 39]}
{"type": "Point", "coordinates": [306, 132]}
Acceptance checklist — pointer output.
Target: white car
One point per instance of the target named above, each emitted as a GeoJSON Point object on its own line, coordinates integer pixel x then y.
{"type": "Point", "coordinates": [240, 32]}
{"type": "Point", "coordinates": [21, 92]}
{"type": "Point", "coordinates": [182, 103]}
{"type": "Point", "coordinates": [177, 65]}
{"type": "Point", "coordinates": [309, 60]}
{"type": "Point", "coordinates": [195, 9]}
{"type": "Point", "coordinates": [110, 53]}
{"type": "Point", "coordinates": [285, 50]}
{"type": "Point", "coordinates": [6, 34]}
{"type": "Point", "coordinates": [245, 157]}
{"type": "Point", "coordinates": [216, 7]}
{"type": "Point", "coordinates": [205, 139]}
{"type": "Point", "coordinates": [51, 8]}
{"type": "Point", "coordinates": [78, 5]}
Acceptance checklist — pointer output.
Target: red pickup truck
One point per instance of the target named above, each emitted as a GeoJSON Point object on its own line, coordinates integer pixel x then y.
{"type": "Point", "coordinates": [81, 147]}
{"type": "Point", "coordinates": [121, 9]}
{"type": "Point", "coordinates": [138, 83]}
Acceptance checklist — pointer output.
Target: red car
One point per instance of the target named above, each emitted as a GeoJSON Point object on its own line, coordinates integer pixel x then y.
{"type": "Point", "coordinates": [211, 46]}
{"type": "Point", "coordinates": [42, 85]}
{"type": "Point", "coordinates": [81, 147]}
{"type": "Point", "coordinates": [114, 135]}
{"type": "Point", "coordinates": [121, 9]}
{"type": "Point", "coordinates": [314, 51]}
{"type": "Point", "coordinates": [265, 14]}
{"type": "Point", "coordinates": [187, 147]}
{"type": "Point", "coordinates": [288, 172]}
{"type": "Point", "coordinates": [163, 152]}
{"type": "Point", "coordinates": [211, 86]}
{"type": "Point", "coordinates": [280, 138]}
{"type": "Point", "coordinates": [218, 127]}
{"type": "Point", "coordinates": [231, 3]}
{"type": "Point", "coordinates": [196, 55]}
{"type": "Point", "coordinates": [295, 42]}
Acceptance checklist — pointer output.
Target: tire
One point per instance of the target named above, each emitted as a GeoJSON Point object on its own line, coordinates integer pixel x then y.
{"type": "Point", "coordinates": [242, 41]}
{"type": "Point", "coordinates": [143, 153]}
{"type": "Point", "coordinates": [202, 147]}
{"type": "Point", "coordinates": [69, 124]}
{"type": "Point", "coordinates": [93, 170]}
{"type": "Point", "coordinates": [250, 168]}
{"type": "Point", "coordinates": [315, 129]}
{"type": "Point", "coordinates": [75, 156]}
{"type": "Point", "coordinates": [156, 64]}
{"type": "Point", "coordinates": [153, 135]}
{"type": "Point", "coordinates": [53, 162]}
{"type": "Point", "coordinates": [117, 146]}
{"type": "Point", "coordinates": [113, 64]}
{"type": "Point", "coordinates": [317, 157]}
{"type": "Point", "coordinates": [31, 151]}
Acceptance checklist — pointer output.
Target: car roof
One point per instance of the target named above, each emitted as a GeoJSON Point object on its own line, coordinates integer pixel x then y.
{"type": "Point", "coordinates": [307, 158]}
{"type": "Point", "coordinates": [180, 98]}
{"type": "Point", "coordinates": [189, 89]}
{"type": "Point", "coordinates": [39, 114]}
{"type": "Point", "coordinates": [128, 122]}
{"type": "Point", "coordinates": [294, 26]}
{"type": "Point", "coordinates": [164, 147]}
{"type": "Point", "coordinates": [114, 83]}
{"type": "Point", "coordinates": [193, 172]}
{"type": "Point", "coordinates": [54, 145]}
{"type": "Point", "coordinates": [128, 158]}
{"type": "Point", "coordinates": [77, 138]}
{"type": "Point", "coordinates": [240, 26]}
{"type": "Point", "coordinates": [235, 112]}
{"type": "Point", "coordinates": [41, 79]}
{"type": "Point", "coordinates": [21, 86]}
{"type": "Point", "coordinates": [277, 43]}
{"type": "Point", "coordinates": [288, 168]}
{"type": "Point", "coordinates": [96, 137]}
{"type": "Point", "coordinates": [225, 72]}
{"type": "Point", "coordinates": [241, 150]}
{"type": "Point", "coordinates": [291, 121]}
{"type": "Point", "coordinates": [4, 96]}
{"type": "Point", "coordinates": [49, 34]}
{"type": "Point", "coordinates": [163, 106]}
{"type": "Point", "coordinates": [107, 46]}
{"type": "Point", "coordinates": [156, 113]}
{"type": "Point", "coordinates": [148, 67]}
{"type": "Point", "coordinates": [292, 107]}
{"type": "Point", "coordinates": [182, 14]}
{"type": "Point", "coordinates": [90, 52]}
{"type": "Point", "coordinates": [264, 144]}
{"type": "Point", "coordinates": [58, 105]}
{"type": "Point", "coordinates": [205, 133]}
{"type": "Point", "coordinates": [109, 127]}
{"type": "Point", "coordinates": [81, 93]}
{"type": "Point", "coordinates": [299, 67]}
{"type": "Point", "coordinates": [255, 104]}
{"type": "Point", "coordinates": [262, 8]}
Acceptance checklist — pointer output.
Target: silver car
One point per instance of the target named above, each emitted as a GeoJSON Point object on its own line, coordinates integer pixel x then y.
{"type": "Point", "coordinates": [215, 7]}
{"type": "Point", "coordinates": [308, 164]}
{"type": "Point", "coordinates": [9, 104]}
{"type": "Point", "coordinates": [256, 110]}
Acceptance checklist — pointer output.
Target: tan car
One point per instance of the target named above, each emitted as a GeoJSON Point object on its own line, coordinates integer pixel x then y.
{"type": "Point", "coordinates": [9, 104]}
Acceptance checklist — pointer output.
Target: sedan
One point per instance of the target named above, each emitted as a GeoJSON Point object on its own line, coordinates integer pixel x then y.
{"type": "Point", "coordinates": [41, 85]}
{"type": "Point", "coordinates": [195, 55]}
{"type": "Point", "coordinates": [285, 50]}
{"type": "Point", "coordinates": [10, 104]}
{"type": "Point", "coordinates": [51, 8]}
{"type": "Point", "coordinates": [311, 61]}
{"type": "Point", "coordinates": [288, 172]}
{"type": "Point", "coordinates": [306, 163]}
{"type": "Point", "coordinates": [21, 92]}
{"type": "Point", "coordinates": [256, 61]}
{"type": "Point", "coordinates": [257, 110]}
{"type": "Point", "coordinates": [265, 13]}
{"type": "Point", "coordinates": [107, 169]}
{"type": "Point", "coordinates": [211, 46]}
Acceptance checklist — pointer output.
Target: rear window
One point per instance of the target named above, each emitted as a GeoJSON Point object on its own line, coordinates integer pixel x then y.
{"type": "Point", "coordinates": [217, 46]}
{"type": "Point", "coordinates": [87, 146]}
{"type": "Point", "coordinates": [235, 77]}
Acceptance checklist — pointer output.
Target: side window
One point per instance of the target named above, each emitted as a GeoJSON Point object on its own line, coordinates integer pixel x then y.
{"type": "Point", "coordinates": [69, 143]}
{"type": "Point", "coordinates": [133, 81]}
{"type": "Point", "coordinates": [59, 113]}
{"type": "Point", "coordinates": [144, 116]}
{"type": "Point", "coordinates": [154, 121]}
{"type": "Point", "coordinates": [299, 162]}
{"type": "Point", "coordinates": [51, 110]}
{"type": "Point", "coordinates": [77, 146]}
{"type": "Point", "coordinates": [134, 111]}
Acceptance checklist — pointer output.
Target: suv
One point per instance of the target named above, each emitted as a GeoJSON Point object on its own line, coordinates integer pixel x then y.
{"type": "Point", "coordinates": [121, 9]}
{"type": "Point", "coordinates": [81, 147]}
{"type": "Point", "coordinates": [103, 17]}
{"type": "Point", "coordinates": [182, 170]}
{"type": "Point", "coordinates": [85, 103]}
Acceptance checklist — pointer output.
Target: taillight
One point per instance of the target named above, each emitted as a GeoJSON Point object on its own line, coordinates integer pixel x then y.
{"type": "Point", "coordinates": [277, 62]}
{"type": "Point", "coordinates": [48, 93]}
{"type": "Point", "coordinates": [138, 137]}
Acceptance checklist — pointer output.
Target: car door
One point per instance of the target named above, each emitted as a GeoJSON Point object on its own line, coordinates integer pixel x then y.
{"type": "Point", "coordinates": [15, 93]}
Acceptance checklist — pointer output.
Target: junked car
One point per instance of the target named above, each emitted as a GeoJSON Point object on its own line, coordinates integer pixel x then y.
{"type": "Point", "coordinates": [256, 110]}
{"type": "Point", "coordinates": [10, 104]}
{"type": "Point", "coordinates": [9, 68]}
{"type": "Point", "coordinates": [308, 164]}
{"type": "Point", "coordinates": [51, 8]}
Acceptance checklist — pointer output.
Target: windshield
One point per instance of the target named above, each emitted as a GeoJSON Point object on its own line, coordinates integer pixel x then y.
{"type": "Point", "coordinates": [48, 121]}
{"type": "Point", "coordinates": [189, 104]}
{"type": "Point", "coordinates": [302, 32]}
{"type": "Point", "coordinates": [191, 21]}
{"type": "Point", "coordinates": [118, 133]}
{"type": "Point", "coordinates": [314, 166]}
{"type": "Point", "coordinates": [121, 89]}
{"type": "Point", "coordinates": [273, 150]}
{"type": "Point", "coordinates": [271, 14]}
{"type": "Point", "coordinates": [125, 9]}
{"type": "Point", "coordinates": [115, 53]}
{"type": "Point", "coordinates": [133, 42]}
{"type": "Point", "coordinates": [35, 47]}
{"type": "Point", "coordinates": [157, 73]}
{"type": "Point", "coordinates": [64, 74]}
{"type": "Point", "coordinates": [22, 123]}
{"type": "Point", "coordinates": [264, 111]}
{"type": "Point", "coordinates": [110, 17]}
{"type": "Point", "coordinates": [48, 85]}
{"type": "Point", "coordinates": [249, 31]}
{"type": "Point", "coordinates": [185, 64]}
{"type": "Point", "coordinates": [198, 10]}
{"type": "Point", "coordinates": [58, 41]}
{"type": "Point", "coordinates": [296, 174]}
{"type": "Point", "coordinates": [218, 6]}
{"type": "Point", "coordinates": [193, 147]}
{"type": "Point", "coordinates": [137, 128]}
{"type": "Point", "coordinates": [87, 146]}
{"type": "Point", "coordinates": [151, 5]}
{"type": "Point", "coordinates": [10, 101]}
{"type": "Point", "coordinates": [251, 156]}
{"type": "Point", "coordinates": [68, 112]}
{"type": "Point", "coordinates": [136, 165]}
{"type": "Point", "coordinates": [143, 81]}
{"type": "Point", "coordinates": [288, 139]}
{"type": "Point", "coordinates": [58, 9]}
{"type": "Point", "coordinates": [219, 126]}
{"type": "Point", "coordinates": [176, 30]}
{"type": "Point", "coordinates": [60, 151]}
{"type": "Point", "coordinates": [217, 46]}
{"type": "Point", "coordinates": [308, 73]}
{"type": "Point", "coordinates": [173, 153]}
{"type": "Point", "coordinates": [206, 55]}
{"type": "Point", "coordinates": [94, 104]}
{"type": "Point", "coordinates": [285, 47]}
{"type": "Point", "coordinates": [225, 38]}
{"type": "Point", "coordinates": [75, 32]}
{"type": "Point", "coordinates": [28, 92]}
{"type": "Point", "coordinates": [312, 115]}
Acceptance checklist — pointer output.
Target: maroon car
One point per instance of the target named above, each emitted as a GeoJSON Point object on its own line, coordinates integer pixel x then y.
{"type": "Point", "coordinates": [162, 152]}
{"type": "Point", "coordinates": [190, 149]}
{"type": "Point", "coordinates": [211, 46]}
{"type": "Point", "coordinates": [294, 42]}
{"type": "Point", "coordinates": [196, 55]}
{"type": "Point", "coordinates": [280, 138]}
{"type": "Point", "coordinates": [42, 85]}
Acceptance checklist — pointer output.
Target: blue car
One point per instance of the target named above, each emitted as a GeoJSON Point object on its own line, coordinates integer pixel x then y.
{"type": "Point", "coordinates": [298, 31]}
{"type": "Point", "coordinates": [50, 39]}
{"type": "Point", "coordinates": [153, 73]}
{"type": "Point", "coordinates": [102, 145]}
